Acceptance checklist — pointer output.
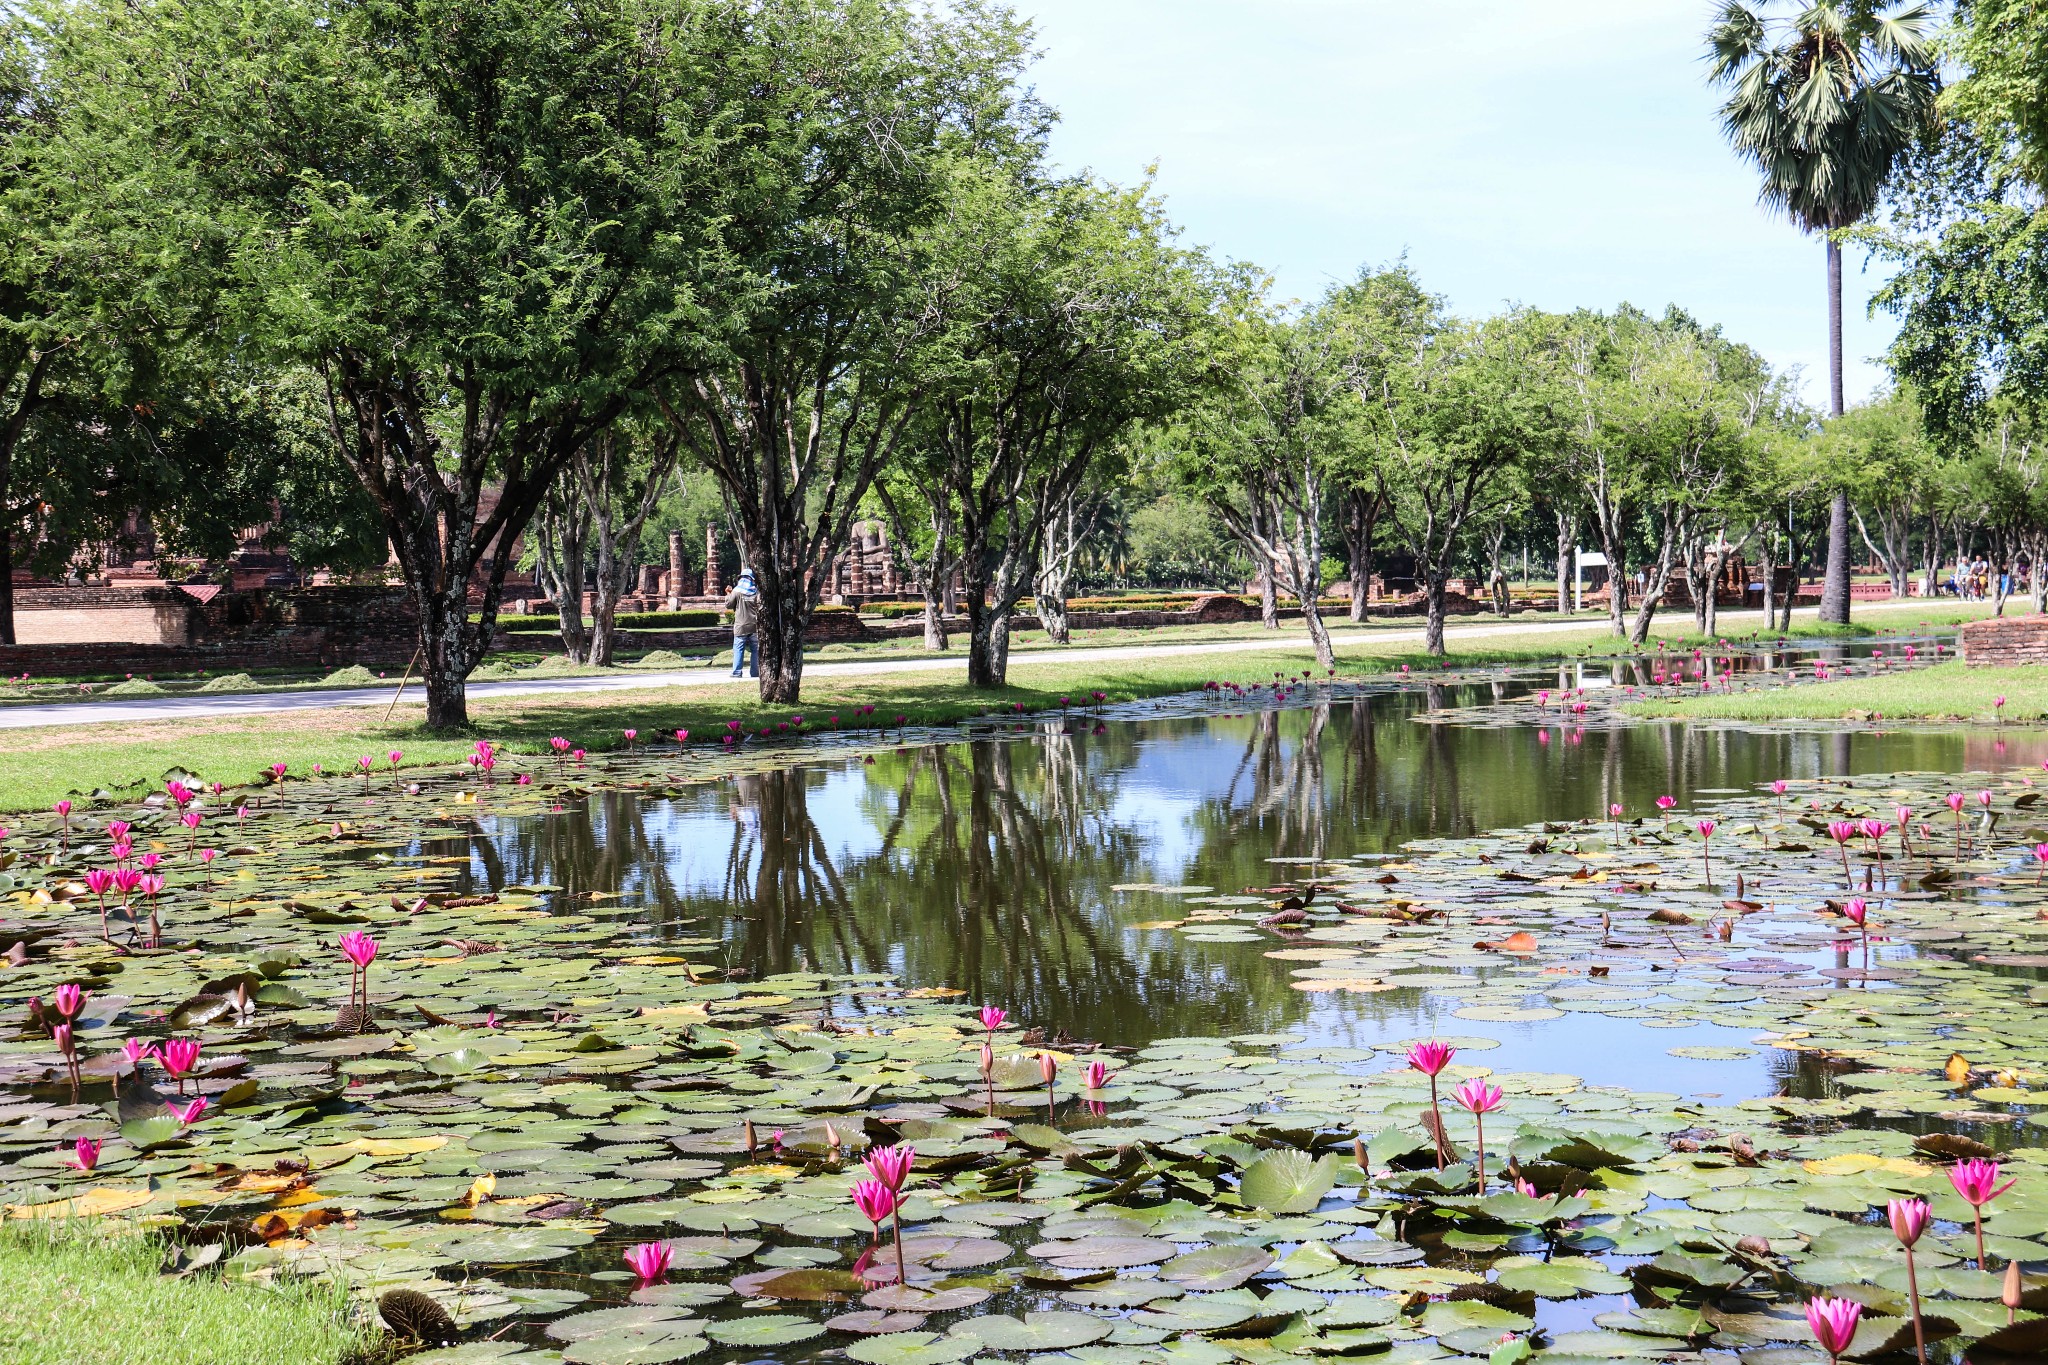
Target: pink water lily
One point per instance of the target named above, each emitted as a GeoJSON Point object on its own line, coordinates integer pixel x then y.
{"type": "Point", "coordinates": [69, 999]}
{"type": "Point", "coordinates": [1095, 1076]}
{"type": "Point", "coordinates": [993, 1018]}
{"type": "Point", "coordinates": [1479, 1099]}
{"type": "Point", "coordinates": [1834, 1323]}
{"type": "Point", "coordinates": [190, 1113]}
{"type": "Point", "coordinates": [99, 881]}
{"type": "Point", "coordinates": [891, 1165]}
{"type": "Point", "coordinates": [85, 1154]}
{"type": "Point", "coordinates": [649, 1261]}
{"type": "Point", "coordinates": [1909, 1220]}
{"type": "Point", "coordinates": [1430, 1058]}
{"type": "Point", "coordinates": [877, 1202]}
{"type": "Point", "coordinates": [361, 951]}
{"type": "Point", "coordinates": [1976, 1180]}
{"type": "Point", "coordinates": [179, 1056]}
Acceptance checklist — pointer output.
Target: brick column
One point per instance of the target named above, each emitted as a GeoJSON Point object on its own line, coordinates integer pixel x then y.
{"type": "Point", "coordinates": [714, 583]}
{"type": "Point", "coordinates": [675, 570]}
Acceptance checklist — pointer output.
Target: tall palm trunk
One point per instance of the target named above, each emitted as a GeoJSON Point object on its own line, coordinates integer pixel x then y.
{"type": "Point", "coordinates": [1834, 590]}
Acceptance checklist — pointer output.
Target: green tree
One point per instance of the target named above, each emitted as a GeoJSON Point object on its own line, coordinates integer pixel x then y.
{"type": "Point", "coordinates": [1450, 411]}
{"type": "Point", "coordinates": [854, 112]}
{"type": "Point", "coordinates": [1824, 100]}
{"type": "Point", "coordinates": [1890, 467]}
{"type": "Point", "coordinates": [1063, 316]}
{"type": "Point", "coordinates": [485, 226]}
{"type": "Point", "coordinates": [1262, 442]}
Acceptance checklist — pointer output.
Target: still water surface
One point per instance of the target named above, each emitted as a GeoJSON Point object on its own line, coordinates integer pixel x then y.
{"type": "Point", "coordinates": [991, 864]}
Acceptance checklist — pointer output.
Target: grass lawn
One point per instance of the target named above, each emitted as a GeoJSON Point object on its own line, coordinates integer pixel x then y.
{"type": "Point", "coordinates": [74, 1299]}
{"type": "Point", "coordinates": [1947, 691]}
{"type": "Point", "coordinates": [41, 765]}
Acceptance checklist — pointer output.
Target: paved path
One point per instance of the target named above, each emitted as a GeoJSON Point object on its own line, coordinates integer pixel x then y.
{"type": "Point", "coordinates": [207, 705]}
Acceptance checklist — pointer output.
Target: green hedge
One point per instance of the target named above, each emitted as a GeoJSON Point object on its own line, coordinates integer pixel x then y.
{"type": "Point", "coordinates": [668, 620]}
{"type": "Point", "coordinates": [627, 620]}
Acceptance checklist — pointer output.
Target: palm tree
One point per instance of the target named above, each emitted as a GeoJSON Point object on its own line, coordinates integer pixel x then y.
{"type": "Point", "coordinates": [1823, 100]}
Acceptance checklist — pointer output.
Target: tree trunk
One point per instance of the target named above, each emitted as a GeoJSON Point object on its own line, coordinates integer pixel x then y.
{"type": "Point", "coordinates": [1496, 578]}
{"type": "Point", "coordinates": [1269, 603]}
{"type": "Point", "coordinates": [1433, 614]}
{"type": "Point", "coordinates": [988, 645]}
{"type": "Point", "coordinates": [1361, 516]}
{"type": "Point", "coordinates": [1567, 544]}
{"type": "Point", "coordinates": [563, 530]}
{"type": "Point", "coordinates": [1654, 586]}
{"type": "Point", "coordinates": [1834, 593]}
{"type": "Point", "coordinates": [781, 642]}
{"type": "Point", "coordinates": [443, 665]}
{"type": "Point", "coordinates": [1769, 573]}
{"type": "Point", "coordinates": [935, 616]}
{"type": "Point", "coordinates": [6, 570]}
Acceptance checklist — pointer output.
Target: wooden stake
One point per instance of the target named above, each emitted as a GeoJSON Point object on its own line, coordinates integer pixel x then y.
{"type": "Point", "coordinates": [407, 677]}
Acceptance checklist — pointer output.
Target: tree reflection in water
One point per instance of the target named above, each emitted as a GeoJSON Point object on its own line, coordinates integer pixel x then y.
{"type": "Point", "coordinates": [989, 866]}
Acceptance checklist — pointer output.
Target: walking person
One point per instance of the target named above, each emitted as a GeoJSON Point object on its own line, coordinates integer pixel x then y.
{"type": "Point", "coordinates": [744, 602]}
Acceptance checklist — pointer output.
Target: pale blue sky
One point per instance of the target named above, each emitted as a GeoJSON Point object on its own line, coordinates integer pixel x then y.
{"type": "Point", "coordinates": [1555, 155]}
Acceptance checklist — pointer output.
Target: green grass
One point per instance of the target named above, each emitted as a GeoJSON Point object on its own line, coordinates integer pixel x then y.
{"type": "Point", "coordinates": [39, 766]}
{"type": "Point", "coordinates": [1947, 691]}
{"type": "Point", "coordinates": [73, 1297]}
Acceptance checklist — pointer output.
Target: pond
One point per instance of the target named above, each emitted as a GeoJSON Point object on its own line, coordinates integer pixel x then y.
{"type": "Point", "coordinates": [678, 997]}
{"type": "Point", "coordinates": [1019, 867]}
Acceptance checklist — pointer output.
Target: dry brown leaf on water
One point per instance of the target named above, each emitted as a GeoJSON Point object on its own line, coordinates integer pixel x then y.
{"type": "Point", "coordinates": [1668, 916]}
{"type": "Point", "coordinates": [93, 1203]}
{"type": "Point", "coordinates": [1521, 941]}
{"type": "Point", "coordinates": [1958, 1068]}
{"type": "Point", "coordinates": [278, 1224]}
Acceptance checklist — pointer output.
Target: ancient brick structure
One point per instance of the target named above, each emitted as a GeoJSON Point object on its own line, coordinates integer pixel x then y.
{"type": "Point", "coordinates": [2005, 641]}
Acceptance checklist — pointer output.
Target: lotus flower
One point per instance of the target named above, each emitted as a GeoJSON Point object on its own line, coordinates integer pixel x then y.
{"type": "Point", "coordinates": [1095, 1076]}
{"type": "Point", "coordinates": [99, 881]}
{"type": "Point", "coordinates": [875, 1200]}
{"type": "Point", "coordinates": [1955, 801]}
{"type": "Point", "coordinates": [1857, 909]}
{"type": "Point", "coordinates": [1908, 1219]}
{"type": "Point", "coordinates": [359, 948]}
{"type": "Point", "coordinates": [1480, 1099]}
{"type": "Point", "coordinates": [1977, 1182]}
{"type": "Point", "coordinates": [85, 1154]}
{"type": "Point", "coordinates": [1778, 787]}
{"type": "Point", "coordinates": [649, 1261]}
{"type": "Point", "coordinates": [1431, 1058]}
{"type": "Point", "coordinates": [993, 1018]}
{"type": "Point", "coordinates": [891, 1165]}
{"type": "Point", "coordinates": [394, 756]}
{"type": "Point", "coordinates": [1666, 802]}
{"type": "Point", "coordinates": [190, 1113]}
{"type": "Point", "coordinates": [69, 999]}
{"type": "Point", "coordinates": [179, 1056]}
{"type": "Point", "coordinates": [1834, 1323]}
